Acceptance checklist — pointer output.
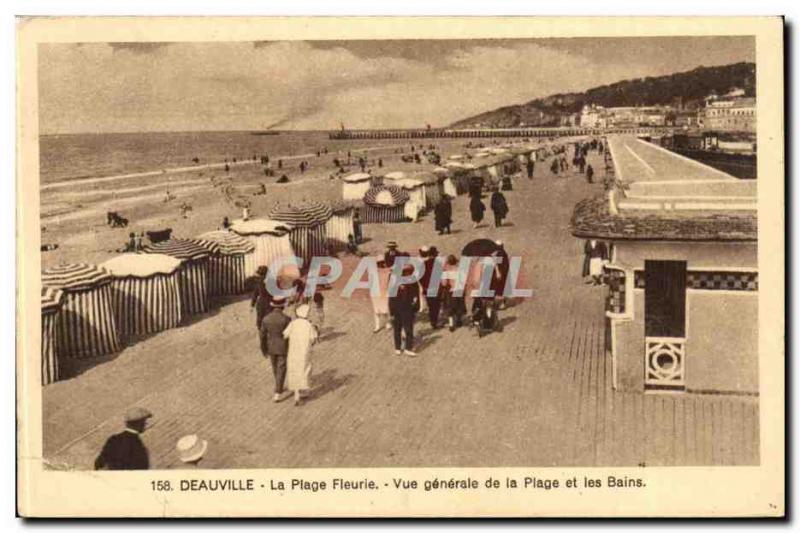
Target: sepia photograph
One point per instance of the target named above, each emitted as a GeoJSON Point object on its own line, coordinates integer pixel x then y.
{"type": "Point", "coordinates": [460, 252]}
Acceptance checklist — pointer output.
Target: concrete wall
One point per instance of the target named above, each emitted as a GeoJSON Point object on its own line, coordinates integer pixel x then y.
{"type": "Point", "coordinates": [699, 255]}
{"type": "Point", "coordinates": [722, 326]}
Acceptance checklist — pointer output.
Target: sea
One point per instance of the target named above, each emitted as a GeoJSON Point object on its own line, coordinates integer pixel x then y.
{"type": "Point", "coordinates": [75, 156]}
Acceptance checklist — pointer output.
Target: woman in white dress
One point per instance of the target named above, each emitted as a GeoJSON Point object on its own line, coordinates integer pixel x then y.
{"type": "Point", "coordinates": [301, 334]}
{"type": "Point", "coordinates": [380, 302]}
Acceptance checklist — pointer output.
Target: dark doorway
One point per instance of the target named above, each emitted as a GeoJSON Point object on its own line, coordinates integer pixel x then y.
{"type": "Point", "coordinates": [665, 298]}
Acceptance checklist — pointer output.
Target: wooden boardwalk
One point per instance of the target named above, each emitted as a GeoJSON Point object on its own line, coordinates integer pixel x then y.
{"type": "Point", "coordinates": [538, 394]}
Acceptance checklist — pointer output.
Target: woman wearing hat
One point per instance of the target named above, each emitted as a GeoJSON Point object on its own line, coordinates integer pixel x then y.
{"type": "Point", "coordinates": [301, 334]}
{"type": "Point", "coordinates": [380, 301]}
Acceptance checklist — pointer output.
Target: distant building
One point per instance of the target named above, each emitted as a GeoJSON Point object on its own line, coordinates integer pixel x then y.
{"type": "Point", "coordinates": [731, 112]}
{"type": "Point", "coordinates": [593, 116]}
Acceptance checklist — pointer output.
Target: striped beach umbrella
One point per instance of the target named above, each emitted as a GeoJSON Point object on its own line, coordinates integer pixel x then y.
{"type": "Point", "coordinates": [355, 185]}
{"type": "Point", "coordinates": [271, 241]}
{"type": "Point", "coordinates": [230, 263]}
{"type": "Point", "coordinates": [145, 293]}
{"type": "Point", "coordinates": [385, 203]}
{"type": "Point", "coordinates": [340, 225]}
{"type": "Point", "coordinates": [192, 274]}
{"type": "Point", "coordinates": [86, 326]}
{"type": "Point", "coordinates": [307, 220]}
{"type": "Point", "coordinates": [52, 300]}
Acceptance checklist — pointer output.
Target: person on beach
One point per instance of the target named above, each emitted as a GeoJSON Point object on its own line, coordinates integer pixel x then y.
{"type": "Point", "coordinates": [589, 174]}
{"type": "Point", "coordinates": [452, 304]}
{"type": "Point", "coordinates": [246, 213]}
{"type": "Point", "coordinates": [554, 167]}
{"type": "Point", "coordinates": [529, 167]}
{"type": "Point", "coordinates": [316, 314]}
{"type": "Point", "coordinates": [499, 207]}
{"type": "Point", "coordinates": [226, 223]}
{"type": "Point", "coordinates": [357, 233]}
{"type": "Point", "coordinates": [301, 335]}
{"type": "Point", "coordinates": [403, 307]}
{"type": "Point", "coordinates": [274, 345]}
{"type": "Point", "coordinates": [443, 215]}
{"type": "Point", "coordinates": [380, 301]}
{"type": "Point", "coordinates": [130, 246]}
{"type": "Point", "coordinates": [125, 450]}
{"type": "Point", "coordinates": [261, 298]}
{"type": "Point", "coordinates": [434, 303]}
{"type": "Point", "coordinates": [595, 253]}
{"type": "Point", "coordinates": [476, 210]}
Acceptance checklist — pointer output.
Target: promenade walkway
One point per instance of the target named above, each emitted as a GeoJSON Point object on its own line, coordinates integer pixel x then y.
{"type": "Point", "coordinates": [538, 394]}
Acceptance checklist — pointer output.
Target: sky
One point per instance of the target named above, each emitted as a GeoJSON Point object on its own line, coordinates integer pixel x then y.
{"type": "Point", "coordinates": [132, 87]}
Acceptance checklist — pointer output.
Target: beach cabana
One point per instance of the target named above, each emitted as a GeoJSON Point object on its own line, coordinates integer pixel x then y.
{"type": "Point", "coordinates": [86, 326]}
{"type": "Point", "coordinates": [340, 225]}
{"type": "Point", "coordinates": [52, 300]}
{"type": "Point", "coordinates": [145, 293]}
{"type": "Point", "coordinates": [307, 222]}
{"type": "Point", "coordinates": [354, 186]}
{"type": "Point", "coordinates": [231, 261]}
{"type": "Point", "coordinates": [192, 274]}
{"type": "Point", "coordinates": [416, 196]}
{"type": "Point", "coordinates": [447, 186]}
{"type": "Point", "coordinates": [396, 175]}
{"type": "Point", "coordinates": [433, 187]}
{"type": "Point", "coordinates": [385, 203]}
{"type": "Point", "coordinates": [270, 238]}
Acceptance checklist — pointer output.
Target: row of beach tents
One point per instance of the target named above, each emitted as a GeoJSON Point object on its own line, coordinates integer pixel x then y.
{"type": "Point", "coordinates": [402, 196]}
{"type": "Point", "coordinates": [93, 310]}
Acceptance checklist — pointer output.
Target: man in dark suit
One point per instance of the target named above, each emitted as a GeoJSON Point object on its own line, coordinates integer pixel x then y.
{"type": "Point", "coordinates": [428, 255]}
{"type": "Point", "coordinates": [261, 297]}
{"type": "Point", "coordinates": [275, 346]}
{"type": "Point", "coordinates": [403, 307]}
{"type": "Point", "coordinates": [125, 450]}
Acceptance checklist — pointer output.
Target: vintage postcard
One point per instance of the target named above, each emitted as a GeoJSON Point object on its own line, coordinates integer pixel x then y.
{"type": "Point", "coordinates": [400, 267]}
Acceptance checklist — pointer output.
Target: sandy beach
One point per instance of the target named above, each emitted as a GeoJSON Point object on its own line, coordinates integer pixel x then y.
{"type": "Point", "coordinates": [74, 211]}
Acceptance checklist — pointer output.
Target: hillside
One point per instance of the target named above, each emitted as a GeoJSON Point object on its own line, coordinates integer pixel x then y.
{"type": "Point", "coordinates": [691, 86]}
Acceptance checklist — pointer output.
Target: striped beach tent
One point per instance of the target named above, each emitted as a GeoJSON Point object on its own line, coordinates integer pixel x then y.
{"type": "Point", "coordinates": [340, 225]}
{"type": "Point", "coordinates": [271, 241]}
{"type": "Point", "coordinates": [231, 262]}
{"type": "Point", "coordinates": [52, 300]}
{"type": "Point", "coordinates": [355, 185]}
{"type": "Point", "coordinates": [192, 274]}
{"type": "Point", "coordinates": [86, 326]}
{"type": "Point", "coordinates": [307, 221]}
{"type": "Point", "coordinates": [433, 187]}
{"type": "Point", "coordinates": [447, 185]}
{"type": "Point", "coordinates": [416, 196]}
{"type": "Point", "coordinates": [145, 293]}
{"type": "Point", "coordinates": [385, 203]}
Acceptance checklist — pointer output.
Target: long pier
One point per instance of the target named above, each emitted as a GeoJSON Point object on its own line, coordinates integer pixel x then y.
{"type": "Point", "coordinates": [492, 132]}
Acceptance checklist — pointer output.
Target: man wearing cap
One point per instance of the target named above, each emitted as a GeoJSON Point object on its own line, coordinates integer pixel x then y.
{"type": "Point", "coordinates": [260, 300]}
{"type": "Point", "coordinates": [125, 450]}
{"type": "Point", "coordinates": [391, 253]}
{"type": "Point", "coordinates": [403, 306]}
{"type": "Point", "coordinates": [275, 346]}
